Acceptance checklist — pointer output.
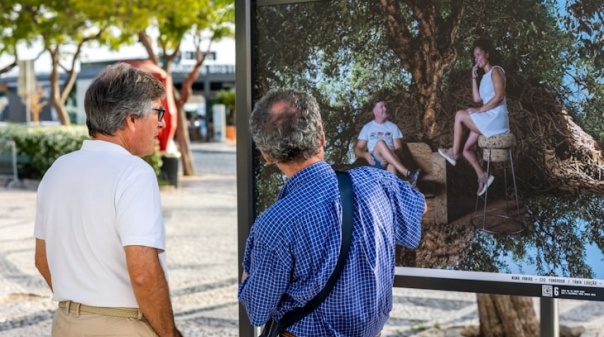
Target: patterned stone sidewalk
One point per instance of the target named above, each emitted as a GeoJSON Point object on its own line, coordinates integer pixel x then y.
{"type": "Point", "coordinates": [201, 227]}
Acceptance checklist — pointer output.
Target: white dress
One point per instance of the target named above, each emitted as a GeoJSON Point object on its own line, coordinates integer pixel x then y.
{"type": "Point", "coordinates": [494, 121]}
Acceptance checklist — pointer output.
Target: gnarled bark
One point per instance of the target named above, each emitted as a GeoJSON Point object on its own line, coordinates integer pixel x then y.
{"type": "Point", "coordinates": [507, 316]}
{"type": "Point", "coordinates": [428, 53]}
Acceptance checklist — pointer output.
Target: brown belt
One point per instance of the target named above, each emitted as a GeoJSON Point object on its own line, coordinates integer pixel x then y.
{"type": "Point", "coordinates": [73, 307]}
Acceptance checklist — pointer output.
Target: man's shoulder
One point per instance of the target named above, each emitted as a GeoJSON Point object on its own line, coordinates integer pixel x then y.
{"type": "Point", "coordinates": [277, 222]}
{"type": "Point", "coordinates": [368, 124]}
{"type": "Point", "coordinates": [367, 174]}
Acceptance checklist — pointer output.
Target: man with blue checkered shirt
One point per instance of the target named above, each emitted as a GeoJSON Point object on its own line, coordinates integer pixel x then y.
{"type": "Point", "coordinates": [294, 245]}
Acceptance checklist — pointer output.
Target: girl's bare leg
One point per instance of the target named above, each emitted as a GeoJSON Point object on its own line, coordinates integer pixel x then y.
{"type": "Point", "coordinates": [470, 155]}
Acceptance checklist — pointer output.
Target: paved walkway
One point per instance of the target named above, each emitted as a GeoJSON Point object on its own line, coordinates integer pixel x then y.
{"type": "Point", "coordinates": [201, 226]}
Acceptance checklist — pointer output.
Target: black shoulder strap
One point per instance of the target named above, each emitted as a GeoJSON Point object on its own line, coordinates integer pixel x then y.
{"type": "Point", "coordinates": [297, 314]}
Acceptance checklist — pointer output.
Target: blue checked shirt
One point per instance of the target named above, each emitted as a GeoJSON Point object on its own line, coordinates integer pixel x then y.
{"type": "Point", "coordinates": [294, 245]}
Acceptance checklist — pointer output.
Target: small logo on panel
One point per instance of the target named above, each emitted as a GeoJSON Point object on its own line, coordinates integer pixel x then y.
{"type": "Point", "coordinates": [546, 291]}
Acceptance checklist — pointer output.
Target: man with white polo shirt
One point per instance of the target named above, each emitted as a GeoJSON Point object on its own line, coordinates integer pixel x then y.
{"type": "Point", "coordinates": [99, 230]}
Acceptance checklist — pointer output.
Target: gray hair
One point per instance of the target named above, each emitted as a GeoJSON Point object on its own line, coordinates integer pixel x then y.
{"type": "Point", "coordinates": [286, 125]}
{"type": "Point", "coordinates": [119, 91]}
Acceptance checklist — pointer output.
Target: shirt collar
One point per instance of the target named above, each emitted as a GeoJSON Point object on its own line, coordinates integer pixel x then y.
{"type": "Point", "coordinates": [315, 171]}
{"type": "Point", "coordinates": [103, 146]}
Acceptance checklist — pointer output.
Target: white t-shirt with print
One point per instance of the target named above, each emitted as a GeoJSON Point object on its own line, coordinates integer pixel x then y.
{"type": "Point", "coordinates": [372, 132]}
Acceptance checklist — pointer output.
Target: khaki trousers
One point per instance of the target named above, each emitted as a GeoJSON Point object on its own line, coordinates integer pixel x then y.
{"type": "Point", "coordinates": [75, 323]}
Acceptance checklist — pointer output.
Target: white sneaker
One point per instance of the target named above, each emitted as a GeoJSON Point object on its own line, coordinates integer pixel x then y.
{"type": "Point", "coordinates": [448, 155]}
{"type": "Point", "coordinates": [485, 183]}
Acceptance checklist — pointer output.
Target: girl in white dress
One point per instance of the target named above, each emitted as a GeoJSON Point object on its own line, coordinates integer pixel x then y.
{"type": "Point", "coordinates": [488, 120]}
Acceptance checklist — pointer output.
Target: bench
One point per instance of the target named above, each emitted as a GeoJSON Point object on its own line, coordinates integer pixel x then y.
{"type": "Point", "coordinates": [10, 162]}
{"type": "Point", "coordinates": [432, 183]}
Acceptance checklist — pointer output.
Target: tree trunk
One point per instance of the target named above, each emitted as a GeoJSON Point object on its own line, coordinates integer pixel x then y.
{"type": "Point", "coordinates": [55, 95]}
{"type": "Point", "coordinates": [182, 138]}
{"type": "Point", "coordinates": [507, 316]}
{"type": "Point", "coordinates": [182, 131]}
{"type": "Point", "coordinates": [424, 54]}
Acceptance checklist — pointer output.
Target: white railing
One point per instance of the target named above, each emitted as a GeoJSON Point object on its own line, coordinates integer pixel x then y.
{"type": "Point", "coordinates": [8, 161]}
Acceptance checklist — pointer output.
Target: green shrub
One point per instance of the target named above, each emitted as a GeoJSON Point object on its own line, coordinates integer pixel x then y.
{"type": "Point", "coordinates": [43, 145]}
{"type": "Point", "coordinates": [154, 159]}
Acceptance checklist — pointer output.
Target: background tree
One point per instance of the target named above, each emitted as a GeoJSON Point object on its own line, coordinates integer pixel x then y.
{"type": "Point", "coordinates": [204, 22]}
{"type": "Point", "coordinates": [64, 27]}
{"type": "Point", "coordinates": [15, 21]}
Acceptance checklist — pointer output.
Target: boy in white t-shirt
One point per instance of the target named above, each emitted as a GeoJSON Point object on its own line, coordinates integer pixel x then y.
{"type": "Point", "coordinates": [378, 141]}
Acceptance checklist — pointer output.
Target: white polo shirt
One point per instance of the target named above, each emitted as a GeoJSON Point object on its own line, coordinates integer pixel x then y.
{"type": "Point", "coordinates": [90, 204]}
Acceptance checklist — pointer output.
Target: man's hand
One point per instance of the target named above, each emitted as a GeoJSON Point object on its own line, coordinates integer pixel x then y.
{"type": "Point", "coordinates": [369, 158]}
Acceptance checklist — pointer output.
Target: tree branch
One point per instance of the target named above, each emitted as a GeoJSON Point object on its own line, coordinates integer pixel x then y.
{"type": "Point", "coordinates": [401, 36]}
{"type": "Point", "coordinates": [9, 67]}
{"type": "Point", "coordinates": [144, 39]}
{"type": "Point", "coordinates": [71, 73]}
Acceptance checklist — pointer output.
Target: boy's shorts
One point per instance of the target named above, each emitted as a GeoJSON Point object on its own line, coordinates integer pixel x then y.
{"type": "Point", "coordinates": [378, 162]}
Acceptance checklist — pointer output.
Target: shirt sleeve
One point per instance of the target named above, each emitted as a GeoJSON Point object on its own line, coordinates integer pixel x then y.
{"type": "Point", "coordinates": [396, 132]}
{"type": "Point", "coordinates": [363, 135]}
{"type": "Point", "coordinates": [40, 221]}
{"type": "Point", "coordinates": [138, 209]}
{"type": "Point", "coordinates": [408, 205]}
{"type": "Point", "coordinates": [267, 281]}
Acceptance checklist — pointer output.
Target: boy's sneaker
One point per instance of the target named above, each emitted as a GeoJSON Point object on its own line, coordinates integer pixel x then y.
{"type": "Point", "coordinates": [413, 177]}
{"type": "Point", "coordinates": [448, 155]}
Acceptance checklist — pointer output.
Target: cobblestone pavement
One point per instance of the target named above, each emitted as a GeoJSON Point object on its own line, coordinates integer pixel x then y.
{"type": "Point", "coordinates": [201, 227]}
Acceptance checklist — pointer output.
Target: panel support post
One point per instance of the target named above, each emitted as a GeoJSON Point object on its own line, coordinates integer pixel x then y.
{"type": "Point", "coordinates": [549, 317]}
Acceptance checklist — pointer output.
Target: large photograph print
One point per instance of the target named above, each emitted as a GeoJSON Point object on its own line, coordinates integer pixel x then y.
{"type": "Point", "coordinates": [539, 220]}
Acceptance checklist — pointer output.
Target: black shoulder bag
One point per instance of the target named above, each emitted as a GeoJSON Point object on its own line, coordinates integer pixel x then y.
{"type": "Point", "coordinates": [274, 328]}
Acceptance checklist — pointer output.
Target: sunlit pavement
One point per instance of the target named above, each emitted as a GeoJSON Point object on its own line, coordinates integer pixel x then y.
{"type": "Point", "coordinates": [201, 227]}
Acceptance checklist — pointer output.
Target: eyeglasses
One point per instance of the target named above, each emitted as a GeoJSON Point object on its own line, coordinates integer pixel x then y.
{"type": "Point", "coordinates": [160, 112]}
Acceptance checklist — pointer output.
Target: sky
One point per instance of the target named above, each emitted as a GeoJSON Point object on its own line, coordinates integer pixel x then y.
{"type": "Point", "coordinates": [225, 55]}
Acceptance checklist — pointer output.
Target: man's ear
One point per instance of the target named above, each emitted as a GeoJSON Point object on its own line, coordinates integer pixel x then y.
{"type": "Point", "coordinates": [267, 158]}
{"type": "Point", "coordinates": [130, 122]}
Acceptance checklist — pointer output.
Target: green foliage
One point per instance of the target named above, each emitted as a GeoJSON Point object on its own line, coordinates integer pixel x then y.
{"type": "Point", "coordinates": [43, 145]}
{"type": "Point", "coordinates": [584, 20]}
{"type": "Point", "coordinates": [419, 328]}
{"type": "Point", "coordinates": [154, 159]}
{"type": "Point", "coordinates": [197, 18]}
{"type": "Point", "coordinates": [227, 97]}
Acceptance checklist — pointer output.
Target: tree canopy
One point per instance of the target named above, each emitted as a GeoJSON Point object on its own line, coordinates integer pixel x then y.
{"type": "Point", "coordinates": [63, 27]}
